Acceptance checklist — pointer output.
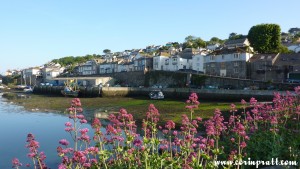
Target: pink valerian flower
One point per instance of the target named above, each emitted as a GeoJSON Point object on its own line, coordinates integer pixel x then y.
{"type": "Point", "coordinates": [80, 116]}
{"type": "Point", "coordinates": [239, 129]}
{"type": "Point", "coordinates": [111, 130]}
{"type": "Point", "coordinates": [69, 129]}
{"type": "Point", "coordinates": [233, 108]}
{"type": "Point", "coordinates": [274, 120]}
{"type": "Point", "coordinates": [232, 139]}
{"type": "Point", "coordinates": [83, 121]}
{"type": "Point", "coordinates": [192, 101]}
{"type": "Point", "coordinates": [79, 157]}
{"type": "Point", "coordinates": [76, 102]}
{"type": "Point", "coordinates": [170, 124]}
{"type": "Point", "coordinates": [253, 101]}
{"type": "Point", "coordinates": [153, 113]}
{"type": "Point", "coordinates": [137, 143]}
{"type": "Point", "coordinates": [243, 102]}
{"type": "Point", "coordinates": [64, 142]}
{"type": "Point", "coordinates": [84, 131]}
{"type": "Point", "coordinates": [16, 163]}
{"type": "Point", "coordinates": [96, 123]}
{"type": "Point", "coordinates": [243, 144]}
{"type": "Point", "coordinates": [297, 90]}
{"type": "Point", "coordinates": [62, 166]}
{"type": "Point", "coordinates": [214, 126]}
{"type": "Point", "coordinates": [199, 119]}
{"type": "Point", "coordinates": [92, 150]}
{"type": "Point", "coordinates": [68, 124]}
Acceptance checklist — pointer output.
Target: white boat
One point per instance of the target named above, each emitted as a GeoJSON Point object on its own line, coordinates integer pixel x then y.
{"type": "Point", "coordinates": [156, 95]}
{"type": "Point", "coordinates": [28, 89]}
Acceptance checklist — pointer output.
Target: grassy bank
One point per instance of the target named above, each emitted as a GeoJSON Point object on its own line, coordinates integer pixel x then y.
{"type": "Point", "coordinates": [169, 109]}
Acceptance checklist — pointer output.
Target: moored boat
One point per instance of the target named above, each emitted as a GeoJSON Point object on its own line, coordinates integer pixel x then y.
{"type": "Point", "coordinates": [156, 95]}
{"type": "Point", "coordinates": [70, 89]}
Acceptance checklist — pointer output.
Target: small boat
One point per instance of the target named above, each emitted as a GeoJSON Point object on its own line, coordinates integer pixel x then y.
{"type": "Point", "coordinates": [68, 92]}
{"type": "Point", "coordinates": [156, 95]}
{"type": "Point", "coordinates": [28, 89]}
{"type": "Point", "coordinates": [71, 88]}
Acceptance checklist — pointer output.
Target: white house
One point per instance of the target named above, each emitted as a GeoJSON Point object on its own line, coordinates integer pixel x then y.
{"type": "Point", "coordinates": [51, 72]}
{"type": "Point", "coordinates": [159, 62]}
{"type": "Point", "coordinates": [197, 62]}
{"type": "Point", "coordinates": [32, 76]}
{"type": "Point", "coordinates": [213, 46]}
{"type": "Point", "coordinates": [177, 62]}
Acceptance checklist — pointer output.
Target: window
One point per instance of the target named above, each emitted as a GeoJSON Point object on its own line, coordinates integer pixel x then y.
{"type": "Point", "coordinates": [167, 61]}
{"type": "Point", "coordinates": [235, 64]}
{"type": "Point", "coordinates": [223, 56]}
{"type": "Point", "coordinates": [212, 65]}
{"type": "Point", "coordinates": [223, 65]}
{"type": "Point", "coordinates": [198, 58]}
{"type": "Point", "coordinates": [236, 55]}
{"type": "Point", "coordinates": [236, 70]}
{"type": "Point", "coordinates": [212, 57]}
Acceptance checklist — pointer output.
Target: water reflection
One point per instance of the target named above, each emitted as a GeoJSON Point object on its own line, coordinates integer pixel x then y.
{"type": "Point", "coordinates": [16, 123]}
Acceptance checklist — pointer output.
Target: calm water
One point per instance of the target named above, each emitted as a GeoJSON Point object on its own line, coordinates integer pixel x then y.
{"type": "Point", "coordinates": [16, 123]}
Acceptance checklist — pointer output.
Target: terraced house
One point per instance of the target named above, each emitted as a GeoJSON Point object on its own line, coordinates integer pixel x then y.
{"type": "Point", "coordinates": [229, 61]}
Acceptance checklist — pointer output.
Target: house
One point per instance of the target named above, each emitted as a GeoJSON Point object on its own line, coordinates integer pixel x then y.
{"type": "Point", "coordinates": [125, 67]}
{"type": "Point", "coordinates": [288, 65]}
{"type": "Point", "coordinates": [243, 42]}
{"type": "Point", "coordinates": [8, 73]}
{"type": "Point", "coordinates": [213, 47]}
{"type": "Point", "coordinates": [262, 67]}
{"type": "Point", "coordinates": [178, 62]}
{"type": "Point", "coordinates": [12, 72]}
{"type": "Point", "coordinates": [90, 67]}
{"type": "Point", "coordinates": [160, 63]}
{"type": "Point", "coordinates": [32, 76]}
{"type": "Point", "coordinates": [108, 67]}
{"type": "Point", "coordinates": [198, 62]}
{"type": "Point", "coordinates": [229, 62]}
{"type": "Point", "coordinates": [143, 64]}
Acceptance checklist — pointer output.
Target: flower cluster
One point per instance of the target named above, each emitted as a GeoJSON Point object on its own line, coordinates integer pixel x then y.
{"type": "Point", "coordinates": [117, 145]}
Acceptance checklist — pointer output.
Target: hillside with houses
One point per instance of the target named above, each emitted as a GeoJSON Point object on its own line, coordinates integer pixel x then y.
{"type": "Point", "coordinates": [234, 57]}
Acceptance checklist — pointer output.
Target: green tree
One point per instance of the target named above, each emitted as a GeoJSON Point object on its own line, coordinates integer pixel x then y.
{"type": "Point", "coordinates": [193, 42]}
{"type": "Point", "coordinates": [106, 51]}
{"type": "Point", "coordinates": [190, 38]}
{"type": "Point", "coordinates": [233, 36]}
{"type": "Point", "coordinates": [265, 38]}
{"type": "Point", "coordinates": [215, 40]}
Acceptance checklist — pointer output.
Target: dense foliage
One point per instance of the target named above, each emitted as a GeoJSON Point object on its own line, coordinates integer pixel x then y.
{"type": "Point", "coordinates": [193, 42]}
{"type": "Point", "coordinates": [71, 60]}
{"type": "Point", "coordinates": [265, 38]}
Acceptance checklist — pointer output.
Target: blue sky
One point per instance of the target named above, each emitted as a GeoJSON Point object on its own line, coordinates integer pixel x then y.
{"type": "Point", "coordinates": [33, 32]}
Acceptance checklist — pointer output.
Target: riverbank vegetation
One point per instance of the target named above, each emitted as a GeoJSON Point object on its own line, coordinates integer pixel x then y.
{"type": "Point", "coordinates": [137, 106]}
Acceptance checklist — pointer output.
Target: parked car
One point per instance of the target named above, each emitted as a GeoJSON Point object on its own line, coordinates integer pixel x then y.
{"type": "Point", "coordinates": [211, 87]}
{"type": "Point", "coordinates": [228, 87]}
